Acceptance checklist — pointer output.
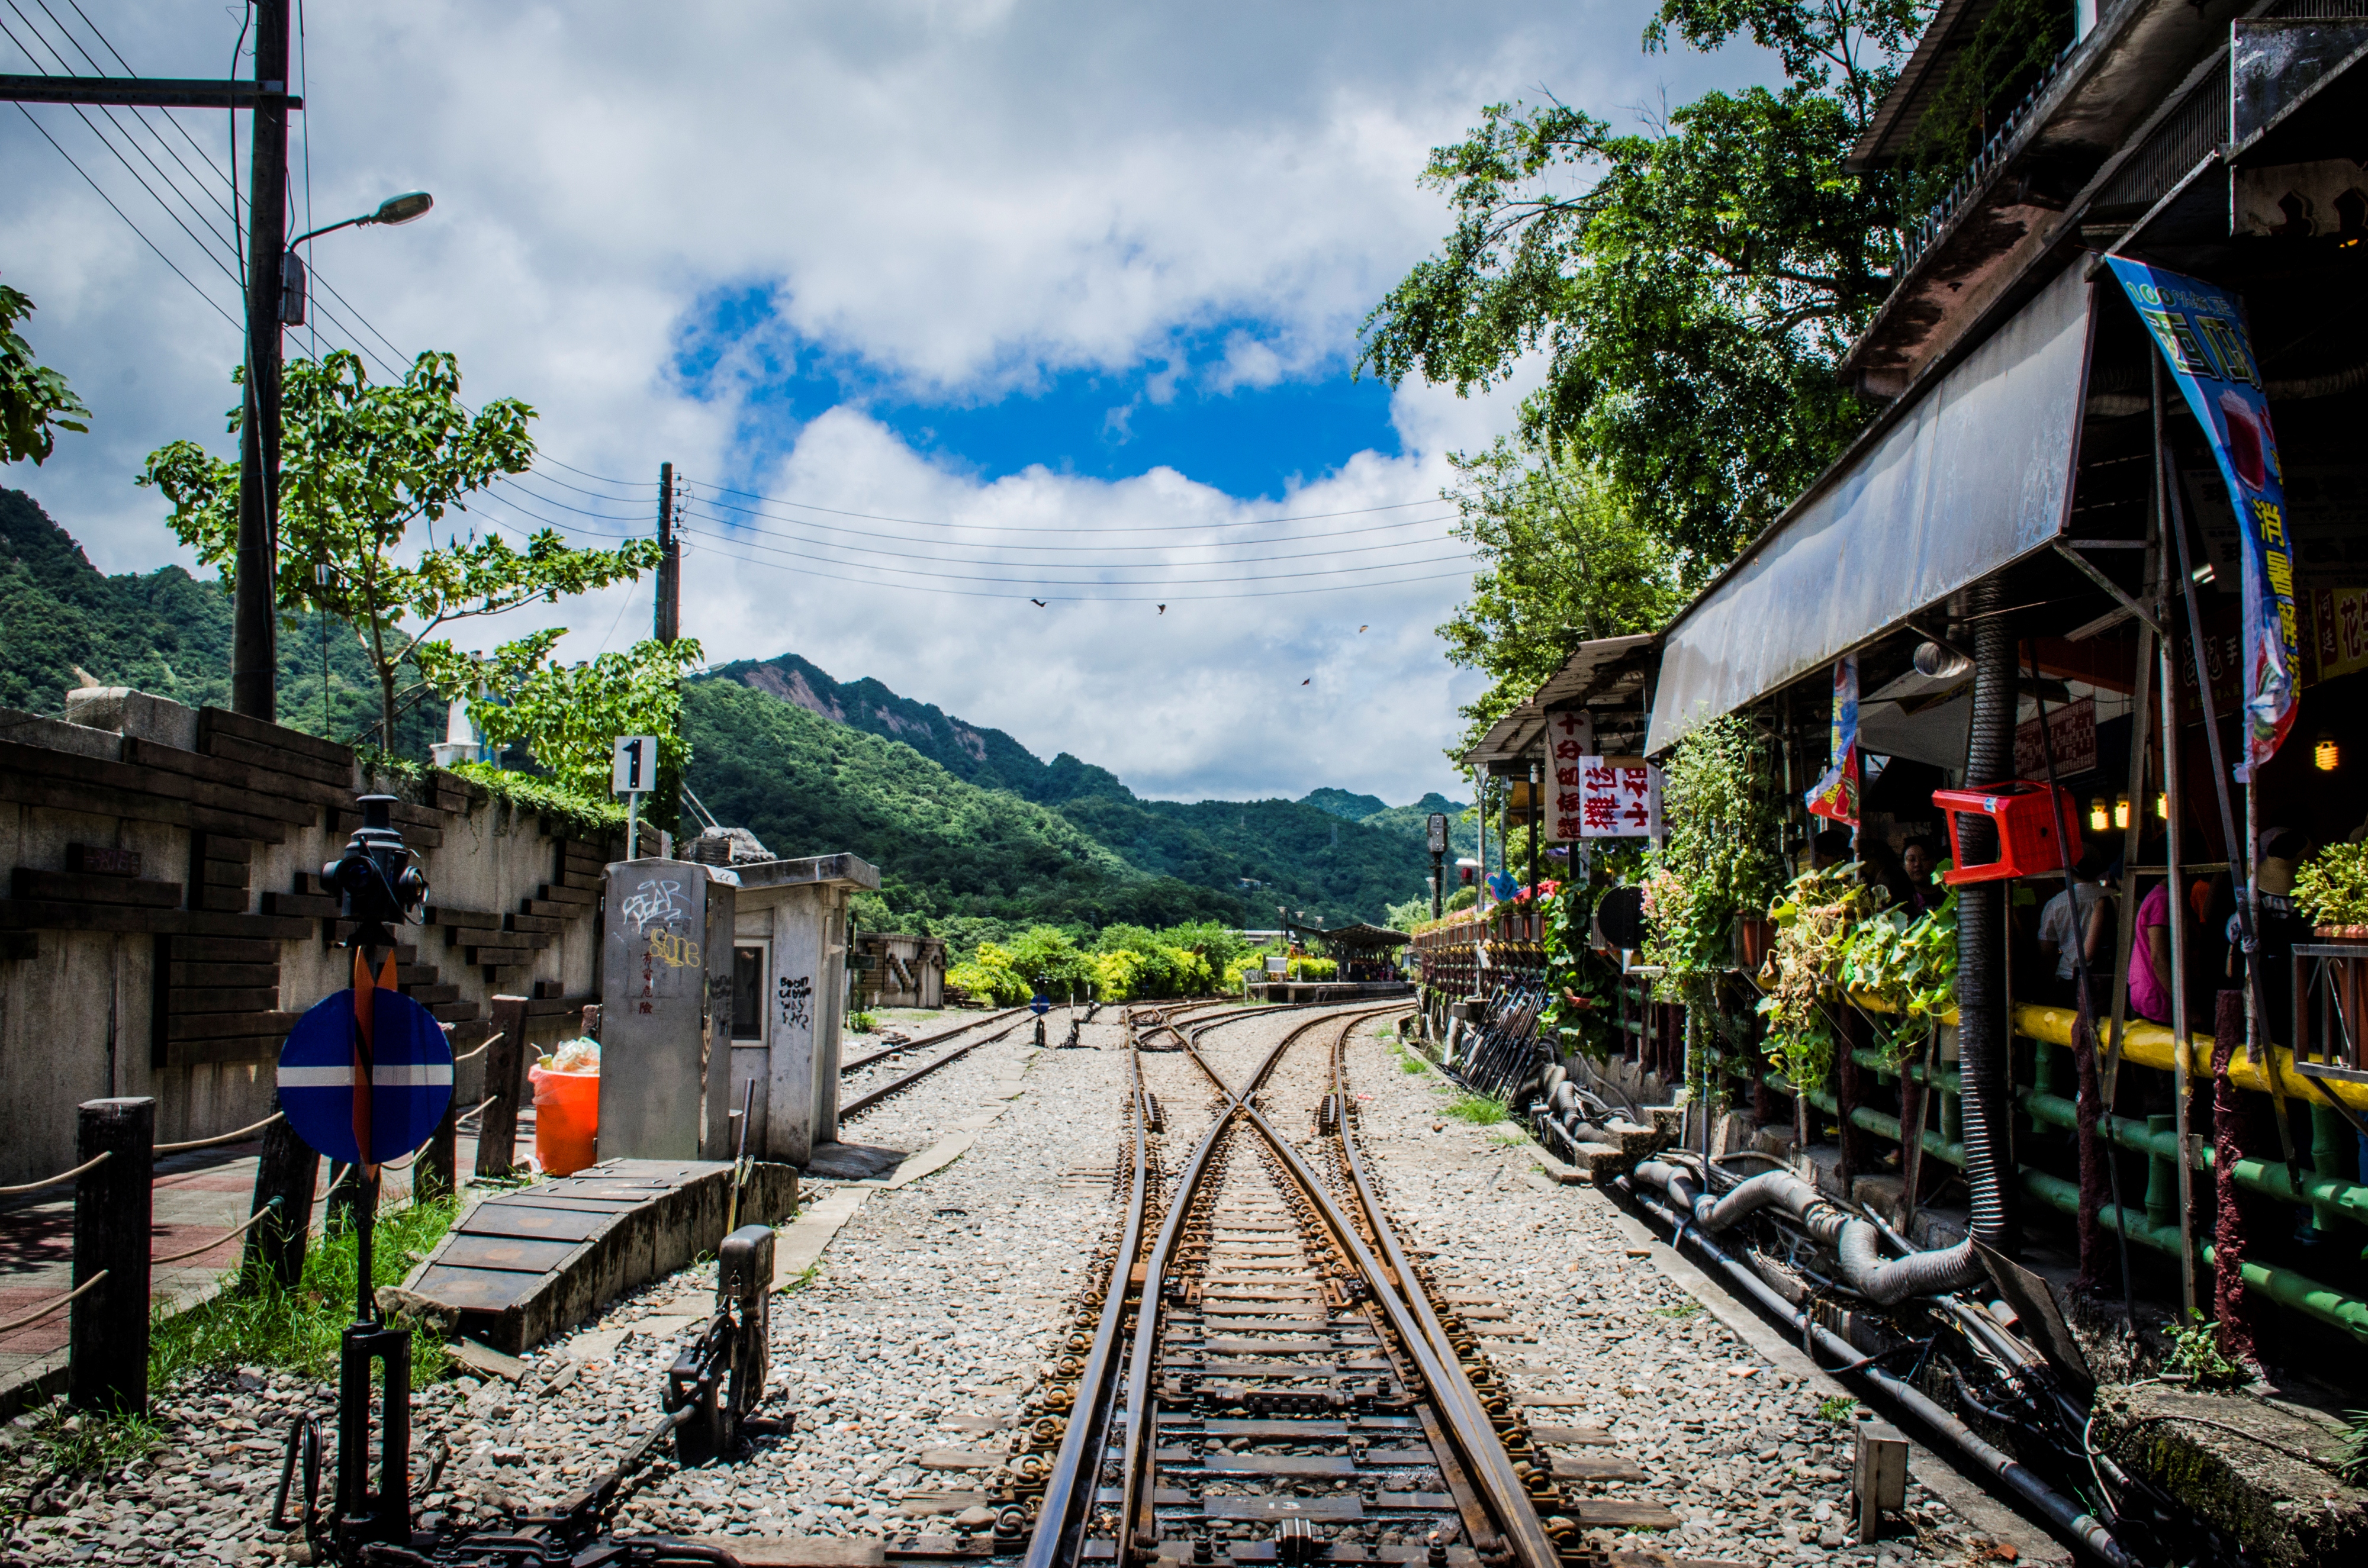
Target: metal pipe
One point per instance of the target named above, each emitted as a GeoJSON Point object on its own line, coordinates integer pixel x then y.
{"type": "Point", "coordinates": [2174, 895]}
{"type": "Point", "coordinates": [2283, 1286]}
{"type": "Point", "coordinates": [2058, 1511]}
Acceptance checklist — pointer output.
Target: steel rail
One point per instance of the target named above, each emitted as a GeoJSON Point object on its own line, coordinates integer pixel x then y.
{"type": "Point", "coordinates": [1530, 1544]}
{"type": "Point", "coordinates": [845, 1068]}
{"type": "Point", "coordinates": [1411, 1316]}
{"type": "Point", "coordinates": [1077, 1467]}
{"type": "Point", "coordinates": [865, 1102]}
{"type": "Point", "coordinates": [1138, 1522]}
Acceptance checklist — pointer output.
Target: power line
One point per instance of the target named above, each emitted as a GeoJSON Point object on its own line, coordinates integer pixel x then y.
{"type": "Point", "coordinates": [135, 228]}
{"type": "Point", "coordinates": [996, 528]}
{"type": "Point", "coordinates": [927, 523]}
{"type": "Point", "coordinates": [967, 577]}
{"type": "Point", "coordinates": [1162, 595]}
{"type": "Point", "coordinates": [1081, 550]}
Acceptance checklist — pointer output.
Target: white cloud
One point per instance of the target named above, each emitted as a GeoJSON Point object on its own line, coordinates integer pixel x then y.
{"type": "Point", "coordinates": [969, 198]}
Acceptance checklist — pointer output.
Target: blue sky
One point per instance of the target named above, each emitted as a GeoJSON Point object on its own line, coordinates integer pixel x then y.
{"type": "Point", "coordinates": [1184, 406]}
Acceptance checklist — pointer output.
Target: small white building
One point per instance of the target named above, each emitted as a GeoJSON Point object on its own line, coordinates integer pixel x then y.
{"type": "Point", "coordinates": [789, 998]}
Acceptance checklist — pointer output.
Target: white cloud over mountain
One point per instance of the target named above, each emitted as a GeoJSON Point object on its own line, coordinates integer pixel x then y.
{"type": "Point", "coordinates": [970, 200]}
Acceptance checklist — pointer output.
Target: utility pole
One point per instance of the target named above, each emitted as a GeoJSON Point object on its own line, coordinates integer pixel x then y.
{"type": "Point", "coordinates": [253, 656]}
{"type": "Point", "coordinates": [666, 625]}
{"type": "Point", "coordinates": [666, 622]}
{"type": "Point", "coordinates": [254, 653]}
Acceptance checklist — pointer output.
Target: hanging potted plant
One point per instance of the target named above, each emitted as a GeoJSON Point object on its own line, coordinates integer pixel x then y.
{"type": "Point", "coordinates": [1749, 940]}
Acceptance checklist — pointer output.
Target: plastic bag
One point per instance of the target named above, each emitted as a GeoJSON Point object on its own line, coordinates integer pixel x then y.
{"type": "Point", "coordinates": [581, 1056]}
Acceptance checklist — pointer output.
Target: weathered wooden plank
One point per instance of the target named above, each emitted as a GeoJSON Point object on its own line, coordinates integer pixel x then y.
{"type": "Point", "coordinates": [107, 797]}
{"type": "Point", "coordinates": [244, 775]}
{"type": "Point", "coordinates": [1613, 1514]}
{"type": "Point", "coordinates": [501, 1219]}
{"type": "Point", "coordinates": [1588, 1467]}
{"type": "Point", "coordinates": [146, 892]}
{"type": "Point", "coordinates": [182, 976]}
{"type": "Point", "coordinates": [180, 999]}
{"type": "Point", "coordinates": [517, 1254]}
{"type": "Point", "coordinates": [227, 1026]}
{"type": "Point", "coordinates": [223, 722]}
{"type": "Point", "coordinates": [199, 951]}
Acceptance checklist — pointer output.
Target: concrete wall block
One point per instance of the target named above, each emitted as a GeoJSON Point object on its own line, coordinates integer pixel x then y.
{"type": "Point", "coordinates": [131, 713]}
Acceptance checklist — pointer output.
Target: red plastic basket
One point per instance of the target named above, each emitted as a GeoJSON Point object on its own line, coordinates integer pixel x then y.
{"type": "Point", "coordinates": [2026, 821]}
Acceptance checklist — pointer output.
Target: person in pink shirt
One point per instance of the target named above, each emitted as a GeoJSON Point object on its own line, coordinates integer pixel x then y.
{"type": "Point", "coordinates": [2150, 970]}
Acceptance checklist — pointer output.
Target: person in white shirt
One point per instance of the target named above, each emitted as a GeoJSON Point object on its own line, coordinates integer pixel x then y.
{"type": "Point", "coordinates": [2081, 913]}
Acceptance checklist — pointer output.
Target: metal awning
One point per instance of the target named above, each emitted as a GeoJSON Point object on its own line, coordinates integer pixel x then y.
{"type": "Point", "coordinates": [1944, 488]}
{"type": "Point", "coordinates": [1606, 675]}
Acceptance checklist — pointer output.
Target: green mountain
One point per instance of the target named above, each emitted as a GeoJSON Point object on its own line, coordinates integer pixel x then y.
{"type": "Point", "coordinates": [972, 833]}
{"type": "Point", "coordinates": [974, 754]}
{"type": "Point", "coordinates": [1256, 855]}
{"type": "Point", "coordinates": [1340, 804]}
{"type": "Point", "coordinates": [63, 623]}
{"type": "Point", "coordinates": [947, 848]}
{"type": "Point", "coordinates": [1414, 822]}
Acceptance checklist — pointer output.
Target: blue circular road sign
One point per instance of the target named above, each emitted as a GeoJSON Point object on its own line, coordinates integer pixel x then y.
{"type": "Point", "coordinates": [1039, 1004]}
{"type": "Point", "coordinates": [411, 1077]}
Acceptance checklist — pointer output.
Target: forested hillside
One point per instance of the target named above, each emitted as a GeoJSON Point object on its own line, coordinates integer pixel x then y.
{"type": "Point", "coordinates": [163, 631]}
{"type": "Point", "coordinates": [946, 848]}
{"type": "Point", "coordinates": [1311, 857]}
{"type": "Point", "coordinates": [972, 833]}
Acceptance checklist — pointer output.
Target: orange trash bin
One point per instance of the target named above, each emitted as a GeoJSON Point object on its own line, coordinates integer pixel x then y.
{"type": "Point", "coordinates": [566, 1119]}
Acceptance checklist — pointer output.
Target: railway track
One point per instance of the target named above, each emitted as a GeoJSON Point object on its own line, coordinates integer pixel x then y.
{"type": "Point", "coordinates": [1260, 1371]}
{"type": "Point", "coordinates": [1017, 1016]}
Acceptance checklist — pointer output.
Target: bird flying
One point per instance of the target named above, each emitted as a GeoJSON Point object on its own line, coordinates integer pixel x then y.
{"type": "Point", "coordinates": [1360, 628]}
{"type": "Point", "coordinates": [1038, 603]}
{"type": "Point", "coordinates": [1309, 681]}
{"type": "Point", "coordinates": [1163, 609]}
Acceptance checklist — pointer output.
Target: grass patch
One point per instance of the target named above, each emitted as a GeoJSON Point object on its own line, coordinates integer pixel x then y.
{"type": "Point", "coordinates": [1478, 1110]}
{"type": "Point", "coordinates": [1840, 1409]}
{"type": "Point", "coordinates": [545, 797]}
{"type": "Point", "coordinates": [85, 1443]}
{"type": "Point", "coordinates": [862, 1022]}
{"type": "Point", "coordinates": [1682, 1310]}
{"type": "Point", "coordinates": [257, 1322]}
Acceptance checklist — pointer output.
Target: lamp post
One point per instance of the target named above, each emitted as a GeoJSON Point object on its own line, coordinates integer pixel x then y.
{"type": "Point", "coordinates": [255, 655]}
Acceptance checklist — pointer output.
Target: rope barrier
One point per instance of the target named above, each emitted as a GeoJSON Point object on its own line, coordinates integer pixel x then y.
{"type": "Point", "coordinates": [90, 1165]}
{"type": "Point", "coordinates": [477, 1110]}
{"type": "Point", "coordinates": [255, 1219]}
{"type": "Point", "coordinates": [240, 1136]}
{"type": "Point", "coordinates": [54, 1307]}
{"type": "Point", "coordinates": [482, 1046]}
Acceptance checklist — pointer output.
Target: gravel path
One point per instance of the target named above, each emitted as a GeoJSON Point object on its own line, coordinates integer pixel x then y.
{"type": "Point", "coordinates": [1735, 1445]}
{"type": "Point", "coordinates": [907, 1351]}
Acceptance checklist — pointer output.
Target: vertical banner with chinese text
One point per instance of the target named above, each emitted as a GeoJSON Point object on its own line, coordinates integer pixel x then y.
{"type": "Point", "coordinates": [2200, 327]}
{"type": "Point", "coordinates": [1835, 794]}
{"type": "Point", "coordinates": [1618, 797]}
{"type": "Point", "coordinates": [1570, 737]}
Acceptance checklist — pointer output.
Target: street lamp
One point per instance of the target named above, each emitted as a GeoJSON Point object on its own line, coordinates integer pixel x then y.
{"type": "Point", "coordinates": [293, 287]}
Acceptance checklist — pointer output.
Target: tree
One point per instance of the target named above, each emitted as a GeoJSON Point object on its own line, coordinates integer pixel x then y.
{"type": "Point", "coordinates": [1560, 563]}
{"type": "Point", "coordinates": [570, 715]}
{"type": "Point", "coordinates": [35, 402]}
{"type": "Point", "coordinates": [1694, 287]}
{"type": "Point", "coordinates": [358, 465]}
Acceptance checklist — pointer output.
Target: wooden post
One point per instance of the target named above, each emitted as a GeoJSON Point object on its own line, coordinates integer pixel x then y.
{"type": "Point", "coordinates": [433, 1178]}
{"type": "Point", "coordinates": [107, 1331]}
{"type": "Point", "coordinates": [505, 1059]}
{"type": "Point", "coordinates": [288, 1170]}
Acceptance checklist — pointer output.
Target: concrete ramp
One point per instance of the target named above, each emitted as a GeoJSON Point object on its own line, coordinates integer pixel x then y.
{"type": "Point", "coordinates": [530, 1264]}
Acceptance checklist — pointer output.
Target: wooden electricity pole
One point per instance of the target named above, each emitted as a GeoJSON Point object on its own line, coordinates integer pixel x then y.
{"type": "Point", "coordinates": [254, 652]}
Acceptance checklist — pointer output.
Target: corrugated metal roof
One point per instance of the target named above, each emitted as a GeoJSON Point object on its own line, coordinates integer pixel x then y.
{"type": "Point", "coordinates": [1607, 675]}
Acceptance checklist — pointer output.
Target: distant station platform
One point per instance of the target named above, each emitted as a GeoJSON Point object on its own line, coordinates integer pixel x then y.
{"type": "Point", "coordinates": [530, 1264]}
{"type": "Point", "coordinates": [1327, 990]}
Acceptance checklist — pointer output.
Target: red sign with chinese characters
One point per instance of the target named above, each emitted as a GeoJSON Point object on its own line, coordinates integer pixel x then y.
{"type": "Point", "coordinates": [1604, 797]}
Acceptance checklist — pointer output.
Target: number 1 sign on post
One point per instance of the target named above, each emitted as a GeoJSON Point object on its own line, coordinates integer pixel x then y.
{"type": "Point", "coordinates": [634, 771]}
